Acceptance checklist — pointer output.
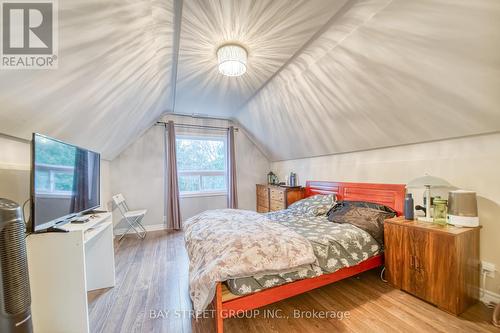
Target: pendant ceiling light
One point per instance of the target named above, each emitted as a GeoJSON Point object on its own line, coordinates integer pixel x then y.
{"type": "Point", "coordinates": [232, 60]}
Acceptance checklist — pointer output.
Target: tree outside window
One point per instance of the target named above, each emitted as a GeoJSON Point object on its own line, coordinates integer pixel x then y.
{"type": "Point", "coordinates": [201, 165]}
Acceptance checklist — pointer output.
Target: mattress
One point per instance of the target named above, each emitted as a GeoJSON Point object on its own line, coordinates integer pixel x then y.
{"type": "Point", "coordinates": [335, 246]}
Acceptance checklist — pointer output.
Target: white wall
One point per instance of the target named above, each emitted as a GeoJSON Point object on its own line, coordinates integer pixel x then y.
{"type": "Point", "coordinates": [15, 164]}
{"type": "Point", "coordinates": [14, 169]}
{"type": "Point", "coordinates": [138, 172]}
{"type": "Point", "coordinates": [471, 163]}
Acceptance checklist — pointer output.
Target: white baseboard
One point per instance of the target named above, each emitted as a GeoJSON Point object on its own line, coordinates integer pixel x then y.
{"type": "Point", "coordinates": [153, 227]}
{"type": "Point", "coordinates": [489, 296]}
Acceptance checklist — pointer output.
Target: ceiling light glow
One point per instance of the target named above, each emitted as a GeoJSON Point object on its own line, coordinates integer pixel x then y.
{"type": "Point", "coordinates": [232, 60]}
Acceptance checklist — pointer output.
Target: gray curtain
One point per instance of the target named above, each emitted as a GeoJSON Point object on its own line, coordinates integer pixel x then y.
{"type": "Point", "coordinates": [173, 208]}
{"type": "Point", "coordinates": [232, 195]}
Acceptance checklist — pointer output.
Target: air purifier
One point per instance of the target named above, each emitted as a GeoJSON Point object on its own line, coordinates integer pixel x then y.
{"type": "Point", "coordinates": [462, 209]}
{"type": "Point", "coordinates": [15, 297]}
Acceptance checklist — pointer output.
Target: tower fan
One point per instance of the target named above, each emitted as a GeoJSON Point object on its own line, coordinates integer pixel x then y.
{"type": "Point", "coordinates": [15, 298]}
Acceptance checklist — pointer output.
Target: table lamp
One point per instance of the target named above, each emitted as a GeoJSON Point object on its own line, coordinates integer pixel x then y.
{"type": "Point", "coordinates": [427, 182]}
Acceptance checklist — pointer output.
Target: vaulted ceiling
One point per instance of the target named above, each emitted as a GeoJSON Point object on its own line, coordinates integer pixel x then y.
{"type": "Point", "coordinates": [113, 80]}
{"type": "Point", "coordinates": [272, 31]}
{"type": "Point", "coordinates": [324, 76]}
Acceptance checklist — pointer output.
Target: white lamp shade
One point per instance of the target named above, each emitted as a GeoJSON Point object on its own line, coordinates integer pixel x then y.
{"type": "Point", "coordinates": [428, 181]}
{"type": "Point", "coordinates": [232, 60]}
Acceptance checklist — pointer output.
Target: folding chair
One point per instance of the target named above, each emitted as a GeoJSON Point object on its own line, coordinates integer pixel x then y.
{"type": "Point", "coordinates": [133, 217]}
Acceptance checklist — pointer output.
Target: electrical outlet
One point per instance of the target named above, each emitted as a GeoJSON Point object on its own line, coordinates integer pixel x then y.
{"type": "Point", "coordinates": [488, 268]}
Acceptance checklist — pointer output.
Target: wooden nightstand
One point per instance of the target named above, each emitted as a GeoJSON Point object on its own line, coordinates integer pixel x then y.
{"type": "Point", "coordinates": [271, 198]}
{"type": "Point", "coordinates": [439, 264]}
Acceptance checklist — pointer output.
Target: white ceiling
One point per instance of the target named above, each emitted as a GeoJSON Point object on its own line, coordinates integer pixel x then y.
{"type": "Point", "coordinates": [271, 30]}
{"type": "Point", "coordinates": [324, 76]}
{"type": "Point", "coordinates": [385, 73]}
{"type": "Point", "coordinates": [113, 80]}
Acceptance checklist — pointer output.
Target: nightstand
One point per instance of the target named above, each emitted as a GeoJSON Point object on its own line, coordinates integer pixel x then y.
{"type": "Point", "coordinates": [439, 264]}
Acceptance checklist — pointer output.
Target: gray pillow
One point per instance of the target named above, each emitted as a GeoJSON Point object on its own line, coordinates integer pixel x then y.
{"type": "Point", "coordinates": [368, 219]}
{"type": "Point", "coordinates": [315, 205]}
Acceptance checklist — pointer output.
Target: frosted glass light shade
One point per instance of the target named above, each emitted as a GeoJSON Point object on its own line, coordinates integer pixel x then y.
{"type": "Point", "coordinates": [232, 60]}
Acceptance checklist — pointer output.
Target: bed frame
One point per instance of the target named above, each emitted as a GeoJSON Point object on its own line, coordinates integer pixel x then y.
{"type": "Point", "coordinates": [227, 304]}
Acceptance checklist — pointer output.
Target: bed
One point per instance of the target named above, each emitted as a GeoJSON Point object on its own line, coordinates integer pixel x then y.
{"type": "Point", "coordinates": [335, 246]}
{"type": "Point", "coordinates": [227, 303]}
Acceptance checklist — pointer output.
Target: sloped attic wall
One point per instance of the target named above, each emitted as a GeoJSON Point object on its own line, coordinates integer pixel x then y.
{"type": "Point", "coordinates": [385, 73]}
{"type": "Point", "coordinates": [113, 79]}
{"type": "Point", "coordinates": [138, 172]}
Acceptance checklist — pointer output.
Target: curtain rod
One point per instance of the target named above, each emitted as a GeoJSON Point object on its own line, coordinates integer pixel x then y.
{"type": "Point", "coordinates": [197, 126]}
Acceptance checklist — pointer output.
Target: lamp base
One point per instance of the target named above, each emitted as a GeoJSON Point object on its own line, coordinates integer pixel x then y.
{"type": "Point", "coordinates": [425, 219]}
{"type": "Point", "coordinates": [463, 221]}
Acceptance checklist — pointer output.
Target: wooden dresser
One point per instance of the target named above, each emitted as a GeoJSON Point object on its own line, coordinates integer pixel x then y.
{"type": "Point", "coordinates": [271, 198]}
{"type": "Point", "coordinates": [439, 264]}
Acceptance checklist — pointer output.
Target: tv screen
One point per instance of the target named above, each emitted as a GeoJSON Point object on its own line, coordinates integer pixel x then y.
{"type": "Point", "coordinates": [64, 182]}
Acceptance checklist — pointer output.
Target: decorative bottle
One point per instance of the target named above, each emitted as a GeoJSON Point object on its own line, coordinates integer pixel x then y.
{"type": "Point", "coordinates": [409, 206]}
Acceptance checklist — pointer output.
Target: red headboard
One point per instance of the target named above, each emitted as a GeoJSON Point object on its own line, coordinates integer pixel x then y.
{"type": "Point", "coordinates": [391, 195]}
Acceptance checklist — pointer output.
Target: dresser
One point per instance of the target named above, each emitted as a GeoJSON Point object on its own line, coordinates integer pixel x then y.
{"type": "Point", "coordinates": [439, 264]}
{"type": "Point", "coordinates": [271, 197]}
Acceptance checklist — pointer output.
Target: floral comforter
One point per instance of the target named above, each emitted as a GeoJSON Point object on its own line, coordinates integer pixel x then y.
{"type": "Point", "coordinates": [226, 244]}
{"type": "Point", "coordinates": [335, 246]}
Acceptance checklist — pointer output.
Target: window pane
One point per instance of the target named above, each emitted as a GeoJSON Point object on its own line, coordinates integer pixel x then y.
{"type": "Point", "coordinates": [189, 183]}
{"type": "Point", "coordinates": [42, 181]}
{"type": "Point", "coordinates": [201, 164]}
{"type": "Point", "coordinates": [213, 183]}
{"type": "Point", "coordinates": [200, 154]}
{"type": "Point", "coordinates": [63, 181]}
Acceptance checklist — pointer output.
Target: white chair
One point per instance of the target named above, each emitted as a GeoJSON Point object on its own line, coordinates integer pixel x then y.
{"type": "Point", "coordinates": [133, 217]}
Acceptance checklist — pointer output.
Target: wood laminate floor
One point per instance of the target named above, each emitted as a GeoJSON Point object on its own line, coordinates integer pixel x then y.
{"type": "Point", "coordinates": [151, 295]}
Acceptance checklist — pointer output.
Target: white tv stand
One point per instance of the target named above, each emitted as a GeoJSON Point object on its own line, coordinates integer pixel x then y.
{"type": "Point", "coordinates": [63, 267]}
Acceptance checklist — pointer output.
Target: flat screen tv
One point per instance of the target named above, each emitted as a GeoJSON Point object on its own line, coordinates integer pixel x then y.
{"type": "Point", "coordinates": [64, 182]}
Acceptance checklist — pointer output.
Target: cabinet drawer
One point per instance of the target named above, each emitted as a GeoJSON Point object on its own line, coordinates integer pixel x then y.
{"type": "Point", "coordinates": [262, 191]}
{"type": "Point", "coordinates": [276, 205]}
{"type": "Point", "coordinates": [264, 202]}
{"type": "Point", "coordinates": [261, 209]}
{"type": "Point", "coordinates": [394, 254]}
{"type": "Point", "coordinates": [416, 279]}
{"type": "Point", "coordinates": [277, 195]}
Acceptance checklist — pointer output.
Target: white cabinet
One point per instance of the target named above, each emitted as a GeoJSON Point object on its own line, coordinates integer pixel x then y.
{"type": "Point", "coordinates": [63, 267]}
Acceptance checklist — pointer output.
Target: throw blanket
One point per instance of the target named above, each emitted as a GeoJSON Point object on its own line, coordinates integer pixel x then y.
{"type": "Point", "coordinates": [226, 244]}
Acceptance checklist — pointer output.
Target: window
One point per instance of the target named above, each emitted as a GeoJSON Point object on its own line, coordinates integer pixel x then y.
{"type": "Point", "coordinates": [201, 165]}
{"type": "Point", "coordinates": [55, 169]}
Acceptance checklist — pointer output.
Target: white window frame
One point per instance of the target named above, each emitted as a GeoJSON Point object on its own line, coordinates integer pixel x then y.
{"type": "Point", "coordinates": [201, 173]}
{"type": "Point", "coordinates": [52, 170]}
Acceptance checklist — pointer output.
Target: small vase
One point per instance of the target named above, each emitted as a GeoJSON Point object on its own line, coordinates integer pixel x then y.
{"type": "Point", "coordinates": [409, 207]}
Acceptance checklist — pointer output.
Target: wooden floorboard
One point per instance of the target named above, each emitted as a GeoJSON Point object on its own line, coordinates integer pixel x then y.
{"type": "Point", "coordinates": [151, 295]}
